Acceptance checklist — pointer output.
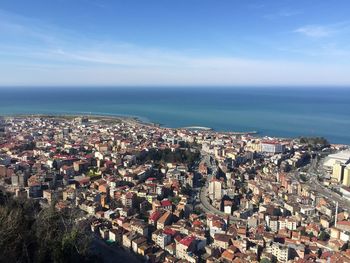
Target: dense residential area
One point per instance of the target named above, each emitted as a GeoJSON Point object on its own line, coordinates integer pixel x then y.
{"type": "Point", "coordinates": [156, 194]}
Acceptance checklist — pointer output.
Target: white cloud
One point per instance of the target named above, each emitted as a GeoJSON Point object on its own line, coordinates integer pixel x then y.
{"type": "Point", "coordinates": [319, 31]}
{"type": "Point", "coordinates": [315, 31]}
{"type": "Point", "coordinates": [178, 71]}
{"type": "Point", "coordinates": [68, 59]}
{"type": "Point", "coordinates": [141, 66]}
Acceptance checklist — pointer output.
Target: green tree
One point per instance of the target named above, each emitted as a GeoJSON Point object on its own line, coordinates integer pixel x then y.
{"type": "Point", "coordinates": [31, 234]}
{"type": "Point", "coordinates": [311, 234]}
{"type": "Point", "coordinates": [186, 190]}
{"type": "Point", "coordinates": [175, 200]}
{"type": "Point", "coordinates": [323, 236]}
{"type": "Point", "coordinates": [265, 260]}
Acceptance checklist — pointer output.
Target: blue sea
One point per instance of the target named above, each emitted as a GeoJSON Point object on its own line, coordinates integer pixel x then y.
{"type": "Point", "coordinates": [283, 112]}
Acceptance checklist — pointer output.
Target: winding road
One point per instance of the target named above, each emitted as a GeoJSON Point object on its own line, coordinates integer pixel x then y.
{"type": "Point", "coordinates": [203, 192]}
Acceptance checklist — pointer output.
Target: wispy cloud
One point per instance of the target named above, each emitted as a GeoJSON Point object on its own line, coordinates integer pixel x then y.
{"type": "Point", "coordinates": [328, 50]}
{"type": "Point", "coordinates": [59, 57]}
{"type": "Point", "coordinates": [321, 31]}
{"type": "Point", "coordinates": [315, 31]}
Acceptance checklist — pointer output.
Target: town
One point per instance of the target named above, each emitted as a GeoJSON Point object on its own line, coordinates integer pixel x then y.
{"type": "Point", "coordinates": [184, 195]}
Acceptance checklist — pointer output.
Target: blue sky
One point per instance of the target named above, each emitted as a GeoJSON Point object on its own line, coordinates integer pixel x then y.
{"type": "Point", "coordinates": [174, 42]}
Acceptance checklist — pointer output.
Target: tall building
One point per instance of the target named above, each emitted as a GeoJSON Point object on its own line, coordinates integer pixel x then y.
{"type": "Point", "coordinates": [346, 176]}
{"type": "Point", "coordinates": [215, 190]}
{"type": "Point", "coordinates": [338, 171]}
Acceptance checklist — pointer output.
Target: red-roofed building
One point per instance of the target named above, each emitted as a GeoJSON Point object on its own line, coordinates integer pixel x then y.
{"type": "Point", "coordinates": [197, 223]}
{"type": "Point", "coordinates": [153, 218]}
{"type": "Point", "coordinates": [185, 247]}
{"type": "Point", "coordinates": [170, 232]}
{"type": "Point", "coordinates": [343, 225]}
{"type": "Point", "coordinates": [187, 241]}
{"type": "Point", "coordinates": [167, 205]}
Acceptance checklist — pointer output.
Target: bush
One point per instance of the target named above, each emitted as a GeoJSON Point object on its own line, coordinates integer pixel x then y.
{"type": "Point", "coordinates": [31, 234]}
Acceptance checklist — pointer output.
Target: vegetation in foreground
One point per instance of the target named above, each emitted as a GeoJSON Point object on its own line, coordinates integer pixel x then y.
{"type": "Point", "coordinates": [31, 234]}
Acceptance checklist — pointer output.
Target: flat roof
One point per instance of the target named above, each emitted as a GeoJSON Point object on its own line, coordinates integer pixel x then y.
{"type": "Point", "coordinates": [342, 156]}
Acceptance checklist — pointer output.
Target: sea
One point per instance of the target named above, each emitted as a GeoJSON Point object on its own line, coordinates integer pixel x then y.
{"type": "Point", "coordinates": [277, 111]}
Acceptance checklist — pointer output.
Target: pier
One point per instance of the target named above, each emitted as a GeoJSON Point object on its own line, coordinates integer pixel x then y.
{"type": "Point", "coordinates": [197, 128]}
{"type": "Point", "coordinates": [243, 133]}
{"type": "Point", "coordinates": [210, 129]}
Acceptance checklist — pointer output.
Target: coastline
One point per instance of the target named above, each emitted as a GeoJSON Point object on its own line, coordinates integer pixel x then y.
{"type": "Point", "coordinates": [282, 114]}
{"type": "Point", "coordinates": [131, 119]}
{"type": "Point", "coordinates": [136, 120]}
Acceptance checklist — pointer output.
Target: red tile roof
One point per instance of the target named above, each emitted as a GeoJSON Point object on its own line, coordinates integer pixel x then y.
{"type": "Point", "coordinates": [169, 231]}
{"type": "Point", "coordinates": [187, 241]}
{"type": "Point", "coordinates": [166, 203]}
{"type": "Point", "coordinates": [155, 216]}
{"type": "Point", "coordinates": [344, 223]}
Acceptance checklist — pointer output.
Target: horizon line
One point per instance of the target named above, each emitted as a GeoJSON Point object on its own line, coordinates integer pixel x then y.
{"type": "Point", "coordinates": [206, 86]}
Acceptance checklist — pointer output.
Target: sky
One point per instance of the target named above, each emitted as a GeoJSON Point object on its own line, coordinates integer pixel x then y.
{"type": "Point", "coordinates": [174, 42]}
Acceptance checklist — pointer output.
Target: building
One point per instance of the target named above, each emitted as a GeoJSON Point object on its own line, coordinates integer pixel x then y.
{"type": "Point", "coordinates": [139, 226]}
{"type": "Point", "coordinates": [185, 248]}
{"type": "Point", "coordinates": [215, 190]}
{"type": "Point", "coordinates": [163, 240]}
{"type": "Point", "coordinates": [345, 190]}
{"type": "Point", "coordinates": [338, 171]}
{"type": "Point", "coordinates": [344, 225]}
{"type": "Point", "coordinates": [128, 199]}
{"type": "Point", "coordinates": [137, 243]}
{"type": "Point", "coordinates": [271, 147]}
{"type": "Point", "coordinates": [164, 220]}
{"type": "Point", "coordinates": [49, 195]}
{"type": "Point", "coordinates": [128, 238]}
{"type": "Point", "coordinates": [222, 240]}
{"type": "Point", "coordinates": [281, 252]}
{"type": "Point", "coordinates": [116, 235]}
{"type": "Point", "coordinates": [153, 218]}
{"type": "Point", "coordinates": [273, 223]}
{"type": "Point", "coordinates": [342, 157]}
{"type": "Point", "coordinates": [346, 175]}
{"type": "Point", "coordinates": [19, 180]}
{"type": "Point", "coordinates": [228, 207]}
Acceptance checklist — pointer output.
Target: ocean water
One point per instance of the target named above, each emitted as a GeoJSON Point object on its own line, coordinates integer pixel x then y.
{"type": "Point", "coordinates": [283, 112]}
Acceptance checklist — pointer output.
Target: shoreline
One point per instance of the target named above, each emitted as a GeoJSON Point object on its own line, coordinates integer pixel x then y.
{"type": "Point", "coordinates": [223, 110]}
{"type": "Point", "coordinates": [135, 119]}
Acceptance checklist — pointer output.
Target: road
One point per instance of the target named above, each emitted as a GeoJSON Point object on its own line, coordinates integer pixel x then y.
{"type": "Point", "coordinates": [315, 185]}
{"type": "Point", "coordinates": [208, 208]}
{"type": "Point", "coordinates": [203, 191]}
